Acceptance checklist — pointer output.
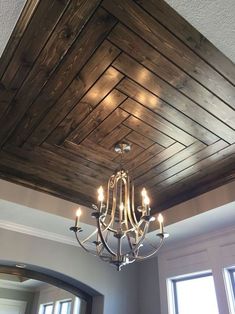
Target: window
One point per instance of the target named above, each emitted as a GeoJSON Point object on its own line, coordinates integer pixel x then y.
{"type": "Point", "coordinates": [194, 294]}
{"type": "Point", "coordinates": [65, 307]}
{"type": "Point", "coordinates": [47, 308]}
{"type": "Point", "coordinates": [232, 278]}
{"type": "Point", "coordinates": [230, 287]}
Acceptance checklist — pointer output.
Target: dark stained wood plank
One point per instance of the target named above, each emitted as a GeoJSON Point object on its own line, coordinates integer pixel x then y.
{"type": "Point", "coordinates": [84, 107]}
{"type": "Point", "coordinates": [147, 154]}
{"type": "Point", "coordinates": [90, 166]}
{"type": "Point", "coordinates": [167, 16]}
{"type": "Point", "coordinates": [170, 46]}
{"type": "Point", "coordinates": [92, 70]}
{"type": "Point", "coordinates": [215, 174]}
{"type": "Point", "coordinates": [117, 135]}
{"type": "Point", "coordinates": [139, 139]}
{"type": "Point", "coordinates": [156, 160]}
{"type": "Point", "coordinates": [168, 112]}
{"type": "Point", "coordinates": [108, 125]}
{"type": "Point", "coordinates": [92, 80]}
{"type": "Point", "coordinates": [97, 116]}
{"type": "Point", "coordinates": [63, 75]}
{"type": "Point", "coordinates": [33, 40]}
{"type": "Point", "coordinates": [61, 39]}
{"type": "Point", "coordinates": [17, 34]}
{"type": "Point", "coordinates": [188, 161]}
{"type": "Point", "coordinates": [64, 168]}
{"type": "Point", "coordinates": [180, 157]}
{"type": "Point", "coordinates": [157, 122]}
{"type": "Point", "coordinates": [148, 131]}
{"type": "Point", "coordinates": [60, 163]}
{"type": "Point", "coordinates": [94, 153]}
{"type": "Point", "coordinates": [142, 52]}
{"type": "Point", "coordinates": [155, 85]}
{"type": "Point", "coordinates": [25, 162]}
{"type": "Point", "coordinates": [34, 181]}
{"type": "Point", "coordinates": [210, 155]}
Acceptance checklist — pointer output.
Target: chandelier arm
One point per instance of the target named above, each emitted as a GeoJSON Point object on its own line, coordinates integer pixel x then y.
{"type": "Point", "coordinates": [88, 251]}
{"type": "Point", "coordinates": [81, 244]}
{"type": "Point", "coordinates": [141, 258]}
{"type": "Point", "coordinates": [107, 202]}
{"type": "Point", "coordinates": [107, 226]}
{"type": "Point", "coordinates": [130, 245]}
{"type": "Point", "coordinates": [102, 238]}
{"type": "Point", "coordinates": [141, 239]}
{"type": "Point", "coordinates": [91, 235]}
{"type": "Point", "coordinates": [99, 252]}
{"type": "Point", "coordinates": [129, 210]}
{"type": "Point", "coordinates": [132, 202]}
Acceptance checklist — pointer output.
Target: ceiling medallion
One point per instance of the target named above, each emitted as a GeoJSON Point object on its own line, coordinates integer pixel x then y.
{"type": "Point", "coordinates": [121, 231]}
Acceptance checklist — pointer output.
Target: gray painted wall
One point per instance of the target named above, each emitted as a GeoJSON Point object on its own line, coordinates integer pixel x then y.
{"type": "Point", "coordinates": [13, 294]}
{"type": "Point", "coordinates": [119, 288]}
{"type": "Point", "coordinates": [148, 288]}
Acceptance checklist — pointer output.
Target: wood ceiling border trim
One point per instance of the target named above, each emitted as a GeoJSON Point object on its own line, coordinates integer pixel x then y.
{"type": "Point", "coordinates": [32, 43]}
{"type": "Point", "coordinates": [17, 34]}
{"type": "Point", "coordinates": [227, 152]}
{"type": "Point", "coordinates": [184, 164]}
{"type": "Point", "coordinates": [205, 181]}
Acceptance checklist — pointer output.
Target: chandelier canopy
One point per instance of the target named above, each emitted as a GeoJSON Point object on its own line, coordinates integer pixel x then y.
{"type": "Point", "coordinates": [121, 228]}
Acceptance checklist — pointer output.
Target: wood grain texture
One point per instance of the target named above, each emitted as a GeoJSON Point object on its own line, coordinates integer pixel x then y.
{"type": "Point", "coordinates": [168, 112]}
{"type": "Point", "coordinates": [170, 46]}
{"type": "Point", "coordinates": [18, 32]}
{"type": "Point", "coordinates": [93, 69]}
{"type": "Point", "coordinates": [190, 36]}
{"type": "Point", "coordinates": [65, 73]}
{"type": "Point", "coordinates": [79, 76]}
{"type": "Point", "coordinates": [150, 81]}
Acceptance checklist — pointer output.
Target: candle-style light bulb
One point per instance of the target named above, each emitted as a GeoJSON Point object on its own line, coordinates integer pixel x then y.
{"type": "Point", "coordinates": [146, 200]}
{"type": "Point", "coordinates": [100, 194]}
{"type": "Point", "coordinates": [121, 206]}
{"type": "Point", "coordinates": [78, 215]}
{"type": "Point", "coordinates": [144, 193]}
{"type": "Point", "coordinates": [160, 220]}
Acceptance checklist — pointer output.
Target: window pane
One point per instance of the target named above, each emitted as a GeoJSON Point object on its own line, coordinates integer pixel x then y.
{"type": "Point", "coordinates": [65, 307]}
{"type": "Point", "coordinates": [196, 295]}
{"type": "Point", "coordinates": [47, 308]}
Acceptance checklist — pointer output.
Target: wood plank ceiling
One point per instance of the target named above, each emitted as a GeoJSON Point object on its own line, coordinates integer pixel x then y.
{"type": "Point", "coordinates": [77, 76]}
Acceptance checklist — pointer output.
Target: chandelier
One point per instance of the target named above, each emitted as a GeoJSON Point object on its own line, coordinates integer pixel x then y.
{"type": "Point", "coordinates": [121, 228]}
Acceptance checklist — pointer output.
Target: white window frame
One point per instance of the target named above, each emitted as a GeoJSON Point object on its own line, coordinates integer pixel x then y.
{"type": "Point", "coordinates": [58, 303]}
{"type": "Point", "coordinates": [230, 287]}
{"type": "Point", "coordinates": [172, 292]}
{"type": "Point", "coordinates": [42, 306]}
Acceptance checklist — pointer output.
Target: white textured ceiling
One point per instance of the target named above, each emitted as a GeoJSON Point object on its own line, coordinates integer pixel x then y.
{"type": "Point", "coordinates": [215, 19]}
{"type": "Point", "coordinates": [9, 13]}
